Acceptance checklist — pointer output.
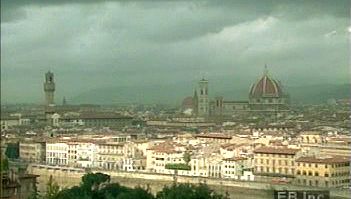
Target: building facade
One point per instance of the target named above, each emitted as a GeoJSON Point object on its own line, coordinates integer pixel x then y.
{"type": "Point", "coordinates": [266, 95]}
{"type": "Point", "coordinates": [32, 151]}
{"type": "Point", "coordinates": [202, 99]}
{"type": "Point", "coordinates": [275, 161]}
{"type": "Point", "coordinates": [332, 171]}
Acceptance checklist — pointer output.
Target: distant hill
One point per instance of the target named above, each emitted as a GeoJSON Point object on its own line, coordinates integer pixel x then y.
{"type": "Point", "coordinates": [314, 94]}
{"type": "Point", "coordinates": [173, 94]}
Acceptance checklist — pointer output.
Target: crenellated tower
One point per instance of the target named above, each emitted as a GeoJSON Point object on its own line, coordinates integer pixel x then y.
{"type": "Point", "coordinates": [49, 88]}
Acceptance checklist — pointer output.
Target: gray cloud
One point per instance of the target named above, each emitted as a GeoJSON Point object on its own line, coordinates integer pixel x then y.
{"type": "Point", "coordinates": [98, 44]}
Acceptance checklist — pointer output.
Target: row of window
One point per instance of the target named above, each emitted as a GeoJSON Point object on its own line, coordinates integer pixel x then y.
{"type": "Point", "coordinates": [273, 155]}
{"type": "Point", "coordinates": [320, 183]}
{"type": "Point", "coordinates": [274, 170]}
{"type": "Point", "coordinates": [280, 162]}
{"type": "Point", "coordinates": [346, 164]}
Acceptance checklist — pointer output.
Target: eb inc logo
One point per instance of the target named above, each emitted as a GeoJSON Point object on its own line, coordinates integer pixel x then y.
{"type": "Point", "coordinates": [301, 194]}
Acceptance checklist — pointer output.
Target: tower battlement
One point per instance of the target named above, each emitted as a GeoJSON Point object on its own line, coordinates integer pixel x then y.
{"type": "Point", "coordinates": [49, 88]}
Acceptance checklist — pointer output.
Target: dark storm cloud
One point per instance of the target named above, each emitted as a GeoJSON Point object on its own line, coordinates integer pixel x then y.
{"type": "Point", "coordinates": [97, 44]}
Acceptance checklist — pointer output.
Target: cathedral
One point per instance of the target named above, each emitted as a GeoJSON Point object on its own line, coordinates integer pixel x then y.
{"type": "Point", "coordinates": [266, 95]}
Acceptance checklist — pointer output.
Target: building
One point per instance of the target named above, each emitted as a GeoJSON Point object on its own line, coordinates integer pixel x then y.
{"type": "Point", "coordinates": [57, 153]}
{"type": "Point", "coordinates": [161, 154]}
{"type": "Point", "coordinates": [15, 185]}
{"type": "Point", "coordinates": [49, 88]}
{"type": "Point", "coordinates": [234, 168]}
{"type": "Point", "coordinates": [266, 95]}
{"type": "Point", "coordinates": [31, 151]}
{"type": "Point", "coordinates": [9, 120]}
{"type": "Point", "coordinates": [275, 161]}
{"type": "Point", "coordinates": [202, 102]}
{"type": "Point", "coordinates": [214, 138]}
{"type": "Point", "coordinates": [96, 119]}
{"type": "Point", "coordinates": [109, 156]}
{"type": "Point", "coordinates": [323, 171]}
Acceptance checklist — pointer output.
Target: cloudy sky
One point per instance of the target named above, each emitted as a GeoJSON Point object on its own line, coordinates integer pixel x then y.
{"type": "Point", "coordinates": [95, 44]}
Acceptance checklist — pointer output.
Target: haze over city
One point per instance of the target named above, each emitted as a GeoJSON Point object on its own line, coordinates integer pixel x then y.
{"type": "Point", "coordinates": [155, 51]}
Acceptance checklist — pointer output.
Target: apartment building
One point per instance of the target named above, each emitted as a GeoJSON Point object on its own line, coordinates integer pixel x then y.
{"type": "Point", "coordinates": [57, 153]}
{"type": "Point", "coordinates": [275, 161]}
{"type": "Point", "coordinates": [327, 171]}
{"type": "Point", "coordinates": [234, 167]}
{"type": "Point", "coordinates": [160, 155]}
{"type": "Point", "coordinates": [109, 156]}
{"type": "Point", "coordinates": [32, 151]}
{"type": "Point", "coordinates": [214, 138]}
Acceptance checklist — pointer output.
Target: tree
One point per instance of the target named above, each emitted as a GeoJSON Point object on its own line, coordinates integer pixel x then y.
{"type": "Point", "coordinates": [4, 164]}
{"type": "Point", "coordinates": [97, 186]}
{"type": "Point", "coordinates": [136, 193]}
{"type": "Point", "coordinates": [187, 191]}
{"type": "Point", "coordinates": [72, 193]}
{"type": "Point", "coordinates": [187, 157]}
{"type": "Point", "coordinates": [92, 181]}
{"type": "Point", "coordinates": [52, 189]}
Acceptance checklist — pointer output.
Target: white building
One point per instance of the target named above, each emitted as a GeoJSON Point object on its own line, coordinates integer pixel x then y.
{"type": "Point", "coordinates": [57, 153]}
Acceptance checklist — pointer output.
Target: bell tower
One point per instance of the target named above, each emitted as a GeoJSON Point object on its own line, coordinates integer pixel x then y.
{"type": "Point", "coordinates": [203, 108]}
{"type": "Point", "coordinates": [49, 88]}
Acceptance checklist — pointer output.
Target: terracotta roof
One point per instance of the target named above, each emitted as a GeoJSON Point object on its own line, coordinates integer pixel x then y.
{"type": "Point", "coordinates": [231, 146]}
{"type": "Point", "coordinates": [165, 147]}
{"type": "Point", "coordinates": [276, 150]}
{"type": "Point", "coordinates": [235, 159]}
{"type": "Point", "coordinates": [266, 87]}
{"type": "Point", "coordinates": [188, 102]}
{"type": "Point", "coordinates": [326, 160]}
{"type": "Point", "coordinates": [214, 135]}
{"type": "Point", "coordinates": [96, 115]}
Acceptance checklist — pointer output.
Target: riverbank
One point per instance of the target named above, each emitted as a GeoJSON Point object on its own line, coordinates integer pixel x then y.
{"type": "Point", "coordinates": [68, 177]}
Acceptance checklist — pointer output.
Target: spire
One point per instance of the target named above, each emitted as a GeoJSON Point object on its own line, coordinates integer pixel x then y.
{"type": "Point", "coordinates": [64, 102]}
{"type": "Point", "coordinates": [265, 72]}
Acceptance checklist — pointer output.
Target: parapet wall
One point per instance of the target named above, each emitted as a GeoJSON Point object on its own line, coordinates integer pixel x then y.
{"type": "Point", "coordinates": [68, 177]}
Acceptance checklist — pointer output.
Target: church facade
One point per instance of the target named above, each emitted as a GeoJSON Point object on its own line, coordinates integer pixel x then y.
{"type": "Point", "coordinates": [266, 95]}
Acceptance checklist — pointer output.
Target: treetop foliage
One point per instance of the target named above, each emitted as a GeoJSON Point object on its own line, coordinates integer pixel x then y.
{"type": "Point", "coordinates": [98, 186]}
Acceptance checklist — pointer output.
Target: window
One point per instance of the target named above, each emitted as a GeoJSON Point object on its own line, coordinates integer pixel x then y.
{"type": "Point", "coordinates": [326, 175]}
{"type": "Point", "coordinates": [316, 173]}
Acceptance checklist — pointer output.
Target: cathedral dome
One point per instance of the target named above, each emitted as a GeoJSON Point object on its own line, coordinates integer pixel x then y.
{"type": "Point", "coordinates": [188, 103]}
{"type": "Point", "coordinates": [266, 87]}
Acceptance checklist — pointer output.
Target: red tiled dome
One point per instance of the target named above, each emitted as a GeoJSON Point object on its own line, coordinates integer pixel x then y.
{"type": "Point", "coordinates": [187, 103]}
{"type": "Point", "coordinates": [266, 87]}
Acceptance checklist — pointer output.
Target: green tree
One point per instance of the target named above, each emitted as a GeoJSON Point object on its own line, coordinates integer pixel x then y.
{"type": "Point", "coordinates": [12, 150]}
{"type": "Point", "coordinates": [187, 157]}
{"type": "Point", "coordinates": [187, 191]}
{"type": "Point", "coordinates": [92, 181]}
{"type": "Point", "coordinates": [52, 189]}
{"type": "Point", "coordinates": [72, 193]}
{"type": "Point", "coordinates": [4, 164]}
{"type": "Point", "coordinates": [136, 193]}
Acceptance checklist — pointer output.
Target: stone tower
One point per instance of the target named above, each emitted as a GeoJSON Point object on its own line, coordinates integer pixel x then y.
{"type": "Point", "coordinates": [49, 88]}
{"type": "Point", "coordinates": [203, 103]}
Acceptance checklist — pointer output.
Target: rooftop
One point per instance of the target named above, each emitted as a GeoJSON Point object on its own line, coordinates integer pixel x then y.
{"type": "Point", "coordinates": [276, 150]}
{"type": "Point", "coordinates": [324, 160]}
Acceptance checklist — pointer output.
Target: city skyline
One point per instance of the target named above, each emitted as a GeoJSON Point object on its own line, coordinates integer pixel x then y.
{"type": "Point", "coordinates": [92, 45]}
